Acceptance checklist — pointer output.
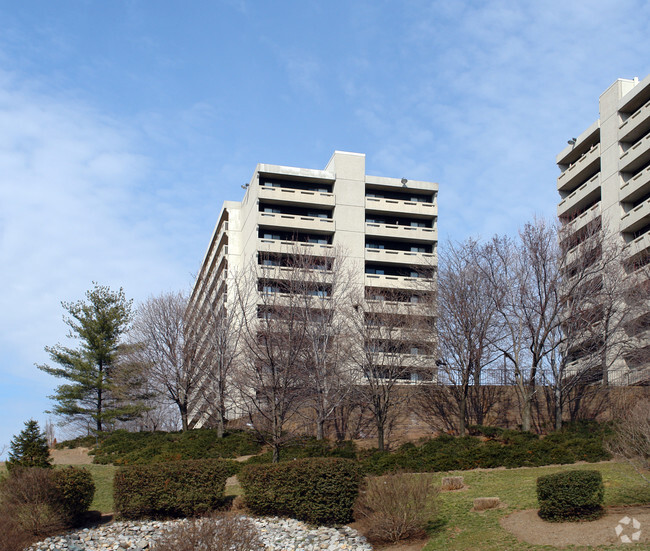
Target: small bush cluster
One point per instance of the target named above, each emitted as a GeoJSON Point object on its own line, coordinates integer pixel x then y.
{"type": "Point", "coordinates": [570, 495]}
{"type": "Point", "coordinates": [218, 533]}
{"type": "Point", "coordinates": [179, 488]}
{"type": "Point", "coordinates": [38, 501]}
{"type": "Point", "coordinates": [316, 490]}
{"type": "Point", "coordinates": [493, 448]}
{"type": "Point", "coordinates": [142, 448]}
{"type": "Point", "coordinates": [396, 507]}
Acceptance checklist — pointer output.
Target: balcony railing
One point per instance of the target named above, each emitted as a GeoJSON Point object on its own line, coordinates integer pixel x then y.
{"type": "Point", "coordinates": [577, 170]}
{"type": "Point", "coordinates": [296, 195]}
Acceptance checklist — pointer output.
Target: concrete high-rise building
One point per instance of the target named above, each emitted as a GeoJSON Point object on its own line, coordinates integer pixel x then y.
{"type": "Point", "coordinates": [605, 183]}
{"type": "Point", "coordinates": [385, 227]}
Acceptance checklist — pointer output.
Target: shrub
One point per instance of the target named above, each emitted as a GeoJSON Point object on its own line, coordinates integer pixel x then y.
{"type": "Point", "coordinates": [180, 488]}
{"type": "Point", "coordinates": [316, 490]}
{"type": "Point", "coordinates": [73, 492]}
{"type": "Point", "coordinates": [395, 507]}
{"type": "Point", "coordinates": [502, 448]}
{"type": "Point", "coordinates": [570, 495]}
{"type": "Point", "coordinates": [14, 537]}
{"type": "Point", "coordinates": [304, 447]}
{"type": "Point", "coordinates": [142, 448]}
{"type": "Point", "coordinates": [41, 501]}
{"type": "Point", "coordinates": [219, 533]}
{"type": "Point", "coordinates": [27, 498]}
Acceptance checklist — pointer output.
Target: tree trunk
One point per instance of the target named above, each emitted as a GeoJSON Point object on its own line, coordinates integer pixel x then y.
{"type": "Point", "coordinates": [462, 406]}
{"type": "Point", "coordinates": [526, 412]}
{"type": "Point", "coordinates": [558, 407]}
{"type": "Point", "coordinates": [320, 427]}
{"type": "Point", "coordinates": [380, 435]}
{"type": "Point", "coordinates": [183, 410]}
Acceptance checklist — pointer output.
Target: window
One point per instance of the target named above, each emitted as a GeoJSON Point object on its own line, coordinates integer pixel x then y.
{"type": "Point", "coordinates": [272, 210]}
{"type": "Point", "coordinates": [371, 270]}
{"type": "Point", "coordinates": [267, 289]}
{"type": "Point", "coordinates": [374, 246]}
{"type": "Point", "coordinates": [270, 262]}
{"type": "Point", "coordinates": [415, 249]}
{"type": "Point", "coordinates": [321, 293]}
{"type": "Point", "coordinates": [271, 236]}
{"type": "Point", "coordinates": [319, 240]}
{"type": "Point", "coordinates": [317, 214]}
{"type": "Point", "coordinates": [418, 224]}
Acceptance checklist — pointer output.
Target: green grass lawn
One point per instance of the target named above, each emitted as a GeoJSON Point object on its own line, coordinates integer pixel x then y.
{"type": "Point", "coordinates": [103, 478]}
{"type": "Point", "coordinates": [456, 528]}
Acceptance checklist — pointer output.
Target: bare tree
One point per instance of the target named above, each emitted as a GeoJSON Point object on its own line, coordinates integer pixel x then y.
{"type": "Point", "coordinates": [163, 343]}
{"type": "Point", "coordinates": [218, 331]}
{"type": "Point", "coordinates": [632, 440]}
{"type": "Point", "coordinates": [323, 293]}
{"type": "Point", "coordinates": [523, 278]}
{"type": "Point", "coordinates": [465, 336]}
{"type": "Point", "coordinates": [270, 377]}
{"type": "Point", "coordinates": [388, 351]}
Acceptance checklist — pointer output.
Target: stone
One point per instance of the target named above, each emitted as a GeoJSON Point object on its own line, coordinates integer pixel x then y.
{"type": "Point", "coordinates": [485, 503]}
{"type": "Point", "coordinates": [452, 483]}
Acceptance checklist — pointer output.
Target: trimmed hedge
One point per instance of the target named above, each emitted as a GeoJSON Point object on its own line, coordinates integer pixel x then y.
{"type": "Point", "coordinates": [74, 490]}
{"type": "Point", "coordinates": [316, 490]}
{"type": "Point", "coordinates": [570, 495]}
{"type": "Point", "coordinates": [179, 488]}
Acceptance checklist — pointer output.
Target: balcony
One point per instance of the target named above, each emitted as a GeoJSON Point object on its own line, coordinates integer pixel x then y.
{"type": "Point", "coordinates": [635, 219]}
{"type": "Point", "coordinates": [402, 232]}
{"type": "Point", "coordinates": [578, 172]}
{"type": "Point", "coordinates": [401, 257]}
{"type": "Point", "coordinates": [288, 272]}
{"type": "Point", "coordinates": [397, 206]}
{"type": "Point", "coordinates": [636, 125]}
{"type": "Point", "coordinates": [288, 247]}
{"type": "Point", "coordinates": [295, 222]}
{"type": "Point", "coordinates": [638, 245]}
{"type": "Point", "coordinates": [636, 156]}
{"type": "Point", "coordinates": [581, 197]}
{"type": "Point", "coordinates": [296, 196]}
{"type": "Point", "coordinates": [582, 220]}
{"type": "Point", "coordinates": [397, 282]}
{"type": "Point", "coordinates": [636, 187]}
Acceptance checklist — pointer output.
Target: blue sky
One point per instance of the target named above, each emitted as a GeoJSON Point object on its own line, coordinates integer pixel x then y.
{"type": "Point", "coordinates": [125, 124]}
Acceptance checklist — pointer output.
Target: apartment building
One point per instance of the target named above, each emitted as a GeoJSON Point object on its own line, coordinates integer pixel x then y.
{"type": "Point", "coordinates": [605, 185]}
{"type": "Point", "coordinates": [386, 228]}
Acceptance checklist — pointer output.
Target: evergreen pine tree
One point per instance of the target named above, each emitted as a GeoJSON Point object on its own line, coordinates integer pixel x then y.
{"type": "Point", "coordinates": [29, 448]}
{"type": "Point", "coordinates": [95, 393]}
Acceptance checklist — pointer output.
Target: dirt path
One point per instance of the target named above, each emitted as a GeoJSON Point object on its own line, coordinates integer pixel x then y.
{"type": "Point", "coordinates": [75, 456]}
{"type": "Point", "coordinates": [528, 527]}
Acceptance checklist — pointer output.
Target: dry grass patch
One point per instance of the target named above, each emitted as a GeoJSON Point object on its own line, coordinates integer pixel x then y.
{"type": "Point", "coordinates": [216, 533]}
{"type": "Point", "coordinates": [396, 507]}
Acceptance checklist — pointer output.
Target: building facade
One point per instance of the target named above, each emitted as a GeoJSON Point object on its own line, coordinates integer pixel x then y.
{"type": "Point", "coordinates": [385, 228]}
{"type": "Point", "coordinates": [604, 185]}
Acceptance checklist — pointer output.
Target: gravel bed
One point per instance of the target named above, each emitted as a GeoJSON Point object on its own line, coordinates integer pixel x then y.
{"type": "Point", "coordinates": [276, 534]}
